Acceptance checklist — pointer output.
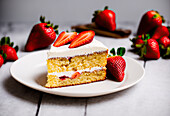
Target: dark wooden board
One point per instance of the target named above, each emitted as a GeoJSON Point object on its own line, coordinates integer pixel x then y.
{"type": "Point", "coordinates": [118, 33]}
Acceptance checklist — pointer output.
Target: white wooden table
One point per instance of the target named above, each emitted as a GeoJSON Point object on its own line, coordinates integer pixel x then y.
{"type": "Point", "coordinates": [150, 97]}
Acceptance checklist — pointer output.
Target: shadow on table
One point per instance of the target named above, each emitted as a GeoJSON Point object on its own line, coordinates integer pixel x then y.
{"type": "Point", "coordinates": [25, 93]}
{"type": "Point", "coordinates": [18, 90]}
{"type": "Point", "coordinates": [73, 101]}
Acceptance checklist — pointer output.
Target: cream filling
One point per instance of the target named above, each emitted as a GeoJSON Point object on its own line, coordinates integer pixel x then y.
{"type": "Point", "coordinates": [70, 73]}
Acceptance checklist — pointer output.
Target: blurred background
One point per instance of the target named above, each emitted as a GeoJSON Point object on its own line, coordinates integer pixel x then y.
{"type": "Point", "coordinates": [66, 12]}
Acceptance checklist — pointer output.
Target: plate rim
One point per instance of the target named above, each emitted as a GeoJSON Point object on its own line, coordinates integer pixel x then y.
{"type": "Point", "coordinates": [74, 94]}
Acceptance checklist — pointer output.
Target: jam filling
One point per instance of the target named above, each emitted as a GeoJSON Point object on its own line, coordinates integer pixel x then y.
{"type": "Point", "coordinates": [63, 77]}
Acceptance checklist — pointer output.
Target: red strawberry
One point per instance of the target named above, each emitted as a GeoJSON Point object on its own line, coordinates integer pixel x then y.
{"type": "Point", "coordinates": [116, 64]}
{"type": "Point", "coordinates": [160, 32]}
{"type": "Point", "coordinates": [2, 57]}
{"type": "Point", "coordinates": [165, 41]}
{"type": "Point", "coordinates": [149, 21]}
{"type": "Point", "coordinates": [10, 52]}
{"type": "Point", "coordinates": [64, 38]}
{"type": "Point", "coordinates": [82, 38]}
{"type": "Point", "coordinates": [138, 41]}
{"type": "Point", "coordinates": [75, 75]}
{"type": "Point", "coordinates": [105, 19]}
{"type": "Point", "coordinates": [42, 35]}
{"type": "Point", "coordinates": [151, 50]}
{"type": "Point", "coordinates": [1, 60]}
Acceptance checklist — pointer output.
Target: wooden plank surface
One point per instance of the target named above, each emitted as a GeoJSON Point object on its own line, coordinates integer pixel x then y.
{"type": "Point", "coordinates": [15, 98]}
{"type": "Point", "coordinates": [148, 97]}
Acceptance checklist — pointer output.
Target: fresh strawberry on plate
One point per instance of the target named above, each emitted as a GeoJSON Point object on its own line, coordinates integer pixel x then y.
{"type": "Point", "coordinates": [82, 38]}
{"type": "Point", "coordinates": [105, 19]}
{"type": "Point", "coordinates": [116, 64]}
{"type": "Point", "coordinates": [64, 38]}
{"type": "Point", "coordinates": [42, 35]}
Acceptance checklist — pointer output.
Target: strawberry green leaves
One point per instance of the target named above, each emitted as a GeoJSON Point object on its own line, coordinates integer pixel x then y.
{"type": "Point", "coordinates": [7, 52]}
{"type": "Point", "coordinates": [6, 41]}
{"type": "Point", "coordinates": [41, 36]}
{"type": "Point", "coordinates": [112, 51]}
{"type": "Point", "coordinates": [3, 54]}
{"type": "Point", "coordinates": [55, 27]}
{"type": "Point", "coordinates": [120, 51]}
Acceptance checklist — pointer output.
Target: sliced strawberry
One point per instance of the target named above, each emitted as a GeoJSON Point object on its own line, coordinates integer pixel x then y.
{"type": "Point", "coordinates": [75, 75]}
{"type": "Point", "coordinates": [64, 38]}
{"type": "Point", "coordinates": [82, 38]}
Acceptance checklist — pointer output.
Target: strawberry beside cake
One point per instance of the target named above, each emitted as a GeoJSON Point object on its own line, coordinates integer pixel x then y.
{"type": "Point", "coordinates": [82, 61]}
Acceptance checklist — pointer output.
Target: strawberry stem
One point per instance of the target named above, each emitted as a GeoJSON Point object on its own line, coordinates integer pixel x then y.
{"type": "Point", "coordinates": [55, 27]}
{"type": "Point", "coordinates": [155, 16]}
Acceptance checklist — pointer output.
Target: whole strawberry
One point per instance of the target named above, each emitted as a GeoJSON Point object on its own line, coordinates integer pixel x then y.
{"type": "Point", "coordinates": [164, 45]}
{"type": "Point", "coordinates": [138, 41]}
{"type": "Point", "coordinates": [149, 21]}
{"type": "Point", "coordinates": [150, 50]}
{"type": "Point", "coordinates": [160, 32]}
{"type": "Point", "coordinates": [10, 52]}
{"type": "Point", "coordinates": [6, 47]}
{"type": "Point", "coordinates": [164, 41]}
{"type": "Point", "coordinates": [42, 35]}
{"type": "Point", "coordinates": [116, 64]}
{"type": "Point", "coordinates": [1, 60]}
{"type": "Point", "coordinates": [105, 19]}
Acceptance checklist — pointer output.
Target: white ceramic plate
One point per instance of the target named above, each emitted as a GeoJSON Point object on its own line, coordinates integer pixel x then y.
{"type": "Point", "coordinates": [31, 71]}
